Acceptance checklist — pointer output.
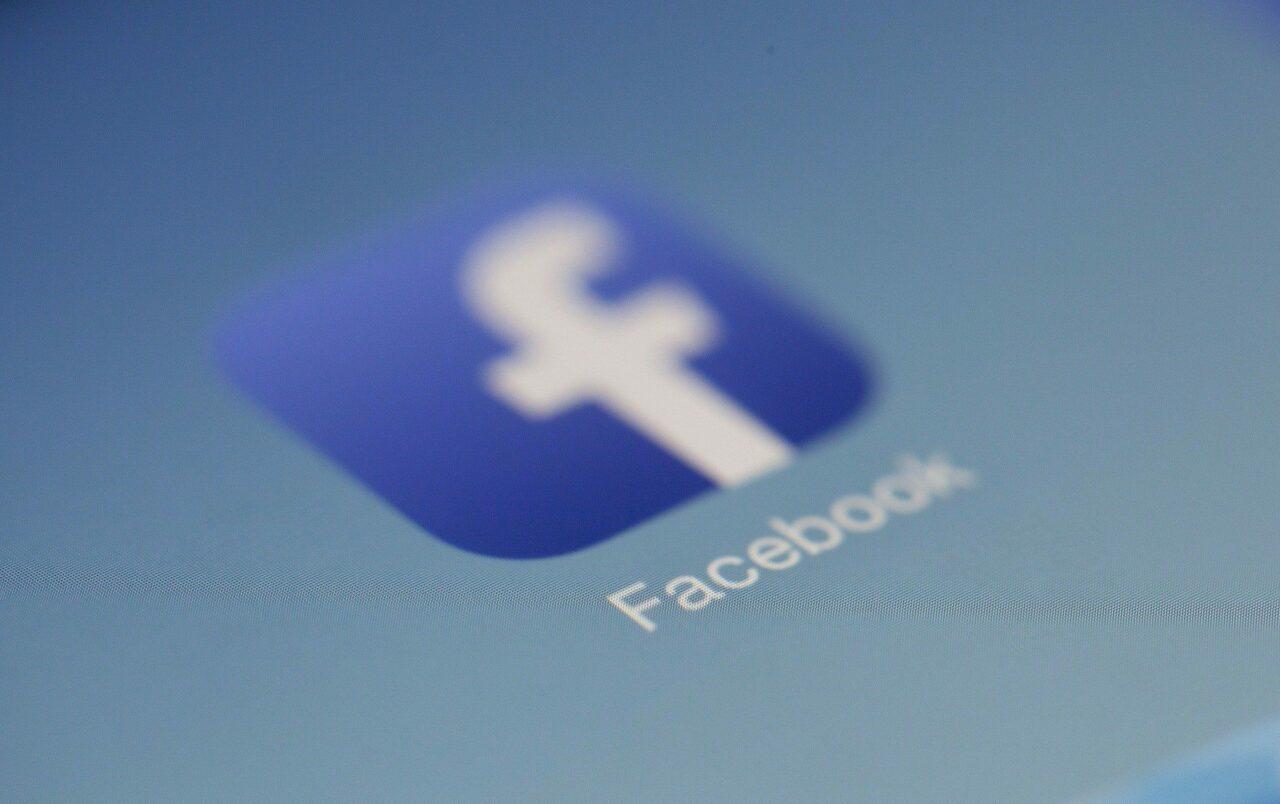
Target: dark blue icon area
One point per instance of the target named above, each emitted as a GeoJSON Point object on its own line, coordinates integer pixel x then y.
{"type": "Point", "coordinates": [534, 373]}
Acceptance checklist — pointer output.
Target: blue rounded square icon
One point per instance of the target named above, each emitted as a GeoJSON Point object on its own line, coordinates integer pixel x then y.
{"type": "Point", "coordinates": [537, 370]}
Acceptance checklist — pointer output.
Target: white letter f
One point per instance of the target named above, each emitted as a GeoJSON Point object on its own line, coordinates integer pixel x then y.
{"type": "Point", "coordinates": [526, 280]}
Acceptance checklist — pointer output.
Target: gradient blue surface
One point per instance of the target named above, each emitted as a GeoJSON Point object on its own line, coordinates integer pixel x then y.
{"type": "Point", "coordinates": [1053, 225]}
{"type": "Point", "coordinates": [1243, 769]}
{"type": "Point", "coordinates": [379, 361]}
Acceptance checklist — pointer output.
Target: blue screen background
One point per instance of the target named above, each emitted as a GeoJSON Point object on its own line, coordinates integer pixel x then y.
{"type": "Point", "coordinates": [1053, 226]}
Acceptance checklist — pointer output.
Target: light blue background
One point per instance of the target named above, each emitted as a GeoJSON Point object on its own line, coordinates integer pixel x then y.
{"type": "Point", "coordinates": [1054, 226]}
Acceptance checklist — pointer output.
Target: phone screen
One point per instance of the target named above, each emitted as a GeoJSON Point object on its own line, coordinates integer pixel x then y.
{"type": "Point", "coordinates": [602, 401]}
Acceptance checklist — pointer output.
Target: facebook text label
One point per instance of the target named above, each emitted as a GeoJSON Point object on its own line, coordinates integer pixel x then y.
{"type": "Point", "coordinates": [909, 490]}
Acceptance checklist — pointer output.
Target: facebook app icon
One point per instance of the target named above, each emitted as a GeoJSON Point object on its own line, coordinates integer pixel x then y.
{"type": "Point", "coordinates": [536, 371]}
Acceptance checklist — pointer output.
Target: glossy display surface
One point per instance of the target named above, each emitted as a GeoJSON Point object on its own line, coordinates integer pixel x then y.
{"type": "Point", "coordinates": [1053, 227]}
